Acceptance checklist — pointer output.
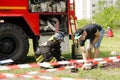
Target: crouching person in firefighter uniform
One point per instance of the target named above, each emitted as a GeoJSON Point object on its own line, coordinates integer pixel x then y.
{"type": "Point", "coordinates": [50, 51]}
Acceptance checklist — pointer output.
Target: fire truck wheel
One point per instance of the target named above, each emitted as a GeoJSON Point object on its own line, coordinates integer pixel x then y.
{"type": "Point", "coordinates": [14, 42]}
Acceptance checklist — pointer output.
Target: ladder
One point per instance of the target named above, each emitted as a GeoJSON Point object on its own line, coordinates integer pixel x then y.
{"type": "Point", "coordinates": [72, 16]}
{"type": "Point", "coordinates": [73, 26]}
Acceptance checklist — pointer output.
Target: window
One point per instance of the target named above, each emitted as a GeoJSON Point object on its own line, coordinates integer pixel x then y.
{"type": "Point", "coordinates": [93, 5]}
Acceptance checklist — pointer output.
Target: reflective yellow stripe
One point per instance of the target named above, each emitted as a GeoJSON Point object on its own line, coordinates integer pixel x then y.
{"type": "Point", "coordinates": [39, 59]}
{"type": "Point", "coordinates": [53, 60]}
{"type": "Point", "coordinates": [12, 7]}
{"type": "Point", "coordinates": [51, 38]}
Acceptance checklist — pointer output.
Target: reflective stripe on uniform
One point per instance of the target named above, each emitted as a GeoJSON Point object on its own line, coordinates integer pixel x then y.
{"type": "Point", "coordinates": [39, 58]}
{"type": "Point", "coordinates": [53, 60]}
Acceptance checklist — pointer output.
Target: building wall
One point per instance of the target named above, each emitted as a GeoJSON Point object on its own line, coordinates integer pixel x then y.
{"type": "Point", "coordinates": [85, 9]}
{"type": "Point", "coordinates": [79, 9]}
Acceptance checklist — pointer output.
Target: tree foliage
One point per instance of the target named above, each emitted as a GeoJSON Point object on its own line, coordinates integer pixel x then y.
{"type": "Point", "coordinates": [81, 23]}
{"type": "Point", "coordinates": [105, 16]}
{"type": "Point", "coordinates": [108, 16]}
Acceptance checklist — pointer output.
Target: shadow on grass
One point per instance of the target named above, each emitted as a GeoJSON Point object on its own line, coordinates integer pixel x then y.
{"type": "Point", "coordinates": [68, 56]}
{"type": "Point", "coordinates": [29, 59]}
{"type": "Point", "coordinates": [102, 54]}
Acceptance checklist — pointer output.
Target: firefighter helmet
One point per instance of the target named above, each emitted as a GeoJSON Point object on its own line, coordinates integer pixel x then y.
{"type": "Point", "coordinates": [59, 36]}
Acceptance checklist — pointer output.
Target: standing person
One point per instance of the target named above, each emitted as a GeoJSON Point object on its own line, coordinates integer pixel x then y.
{"type": "Point", "coordinates": [50, 51]}
{"type": "Point", "coordinates": [94, 33]}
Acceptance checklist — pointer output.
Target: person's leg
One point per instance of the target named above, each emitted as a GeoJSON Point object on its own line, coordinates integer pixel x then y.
{"type": "Point", "coordinates": [97, 45]}
{"type": "Point", "coordinates": [38, 56]}
{"type": "Point", "coordinates": [96, 52]}
{"type": "Point", "coordinates": [90, 54]}
{"type": "Point", "coordinates": [88, 48]}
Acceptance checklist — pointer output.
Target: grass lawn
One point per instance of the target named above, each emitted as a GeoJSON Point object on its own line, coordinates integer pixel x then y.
{"type": "Point", "coordinates": [108, 44]}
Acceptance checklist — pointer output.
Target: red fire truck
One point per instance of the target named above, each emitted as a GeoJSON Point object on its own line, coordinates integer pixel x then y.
{"type": "Point", "coordinates": [21, 20]}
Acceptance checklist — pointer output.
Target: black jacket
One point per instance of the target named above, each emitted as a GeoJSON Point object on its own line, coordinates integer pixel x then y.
{"type": "Point", "coordinates": [49, 49]}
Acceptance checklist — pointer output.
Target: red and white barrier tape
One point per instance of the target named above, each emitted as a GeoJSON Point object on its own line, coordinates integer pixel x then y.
{"type": "Point", "coordinates": [106, 61]}
{"type": "Point", "coordinates": [46, 64]}
{"type": "Point", "coordinates": [8, 75]}
{"type": "Point", "coordinates": [74, 66]}
{"type": "Point", "coordinates": [51, 70]}
{"type": "Point", "coordinates": [54, 69]}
